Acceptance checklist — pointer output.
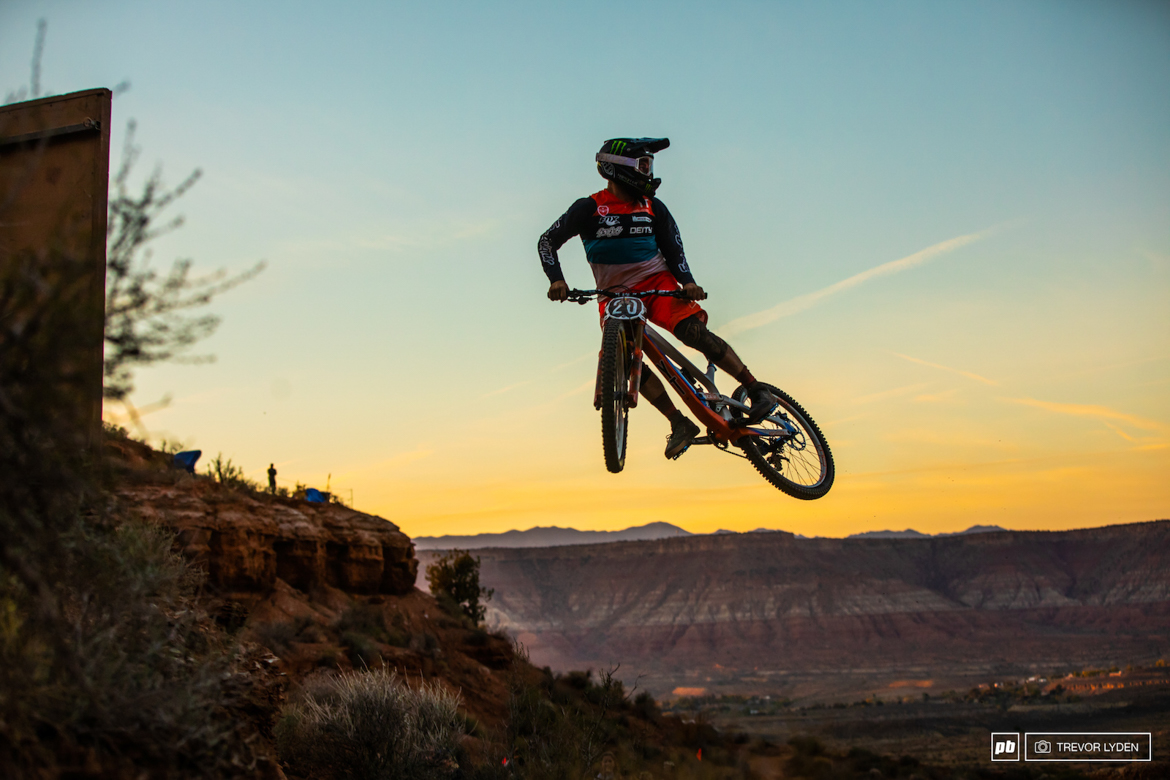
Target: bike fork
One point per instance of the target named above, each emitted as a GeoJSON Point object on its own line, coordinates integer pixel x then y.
{"type": "Point", "coordinates": [635, 386]}
{"type": "Point", "coordinates": [639, 328]}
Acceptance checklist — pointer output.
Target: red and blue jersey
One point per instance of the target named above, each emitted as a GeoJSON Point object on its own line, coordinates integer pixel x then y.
{"type": "Point", "coordinates": [626, 242]}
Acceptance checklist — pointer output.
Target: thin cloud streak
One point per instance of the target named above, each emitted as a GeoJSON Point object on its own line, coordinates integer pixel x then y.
{"type": "Point", "coordinates": [574, 361]}
{"type": "Point", "coordinates": [941, 367]}
{"type": "Point", "coordinates": [1090, 410]}
{"type": "Point", "coordinates": [503, 390]}
{"type": "Point", "coordinates": [893, 393]}
{"type": "Point", "coordinates": [808, 300]}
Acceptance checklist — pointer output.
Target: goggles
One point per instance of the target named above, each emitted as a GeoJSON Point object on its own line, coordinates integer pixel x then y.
{"type": "Point", "coordinates": [643, 165]}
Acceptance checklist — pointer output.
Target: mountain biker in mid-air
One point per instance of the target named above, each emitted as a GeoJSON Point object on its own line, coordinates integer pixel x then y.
{"type": "Point", "coordinates": [632, 242]}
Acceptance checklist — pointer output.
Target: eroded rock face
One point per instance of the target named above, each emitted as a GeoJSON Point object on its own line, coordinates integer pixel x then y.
{"type": "Point", "coordinates": [246, 542]}
{"type": "Point", "coordinates": [768, 605]}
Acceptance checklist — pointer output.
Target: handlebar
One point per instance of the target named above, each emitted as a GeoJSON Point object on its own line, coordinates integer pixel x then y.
{"type": "Point", "coordinates": [584, 296]}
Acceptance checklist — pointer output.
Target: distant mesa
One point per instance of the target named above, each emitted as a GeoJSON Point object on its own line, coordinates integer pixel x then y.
{"type": "Point", "coordinates": [549, 536]}
{"type": "Point", "coordinates": [769, 612]}
{"type": "Point", "coordinates": [910, 533]}
{"type": "Point", "coordinates": [555, 536]}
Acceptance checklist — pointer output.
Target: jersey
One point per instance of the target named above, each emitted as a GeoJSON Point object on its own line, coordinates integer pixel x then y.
{"type": "Point", "coordinates": [625, 242]}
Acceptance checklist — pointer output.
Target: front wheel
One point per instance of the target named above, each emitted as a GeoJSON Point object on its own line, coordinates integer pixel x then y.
{"type": "Point", "coordinates": [798, 460]}
{"type": "Point", "coordinates": [615, 386]}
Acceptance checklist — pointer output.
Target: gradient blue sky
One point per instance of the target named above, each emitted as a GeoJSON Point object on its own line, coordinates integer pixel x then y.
{"type": "Point", "coordinates": [396, 163]}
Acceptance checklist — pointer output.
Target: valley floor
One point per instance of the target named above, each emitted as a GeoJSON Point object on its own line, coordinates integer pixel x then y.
{"type": "Point", "coordinates": [958, 733]}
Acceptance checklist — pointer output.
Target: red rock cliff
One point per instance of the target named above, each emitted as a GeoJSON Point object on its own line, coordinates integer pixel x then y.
{"type": "Point", "coordinates": [246, 543]}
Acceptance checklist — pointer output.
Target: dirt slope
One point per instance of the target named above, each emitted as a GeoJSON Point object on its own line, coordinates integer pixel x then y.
{"type": "Point", "coordinates": [324, 587]}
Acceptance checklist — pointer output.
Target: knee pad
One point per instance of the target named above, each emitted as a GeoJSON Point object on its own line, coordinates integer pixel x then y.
{"type": "Point", "coordinates": [693, 332]}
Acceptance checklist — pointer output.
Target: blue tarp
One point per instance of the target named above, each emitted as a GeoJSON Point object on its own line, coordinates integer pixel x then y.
{"type": "Point", "coordinates": [315, 496]}
{"type": "Point", "coordinates": [187, 460]}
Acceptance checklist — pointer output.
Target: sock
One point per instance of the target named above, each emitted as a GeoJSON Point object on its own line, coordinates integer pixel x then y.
{"type": "Point", "coordinates": [745, 377]}
{"type": "Point", "coordinates": [663, 404]}
{"type": "Point", "coordinates": [676, 418]}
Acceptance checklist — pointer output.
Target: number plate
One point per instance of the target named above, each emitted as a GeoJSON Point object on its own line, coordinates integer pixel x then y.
{"type": "Point", "coordinates": [626, 309]}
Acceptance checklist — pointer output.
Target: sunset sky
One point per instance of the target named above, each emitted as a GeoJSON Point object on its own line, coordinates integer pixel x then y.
{"type": "Point", "coordinates": [943, 227]}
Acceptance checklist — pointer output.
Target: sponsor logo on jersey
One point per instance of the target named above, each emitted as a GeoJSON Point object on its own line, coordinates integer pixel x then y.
{"type": "Point", "coordinates": [641, 231]}
{"type": "Point", "coordinates": [609, 232]}
{"type": "Point", "coordinates": [642, 219]}
{"type": "Point", "coordinates": [602, 210]}
{"type": "Point", "coordinates": [611, 220]}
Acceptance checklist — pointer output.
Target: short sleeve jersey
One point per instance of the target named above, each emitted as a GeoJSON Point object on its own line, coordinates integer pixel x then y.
{"type": "Point", "coordinates": [625, 242]}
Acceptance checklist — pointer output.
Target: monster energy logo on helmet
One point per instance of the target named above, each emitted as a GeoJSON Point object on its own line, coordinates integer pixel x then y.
{"type": "Point", "coordinates": [630, 162]}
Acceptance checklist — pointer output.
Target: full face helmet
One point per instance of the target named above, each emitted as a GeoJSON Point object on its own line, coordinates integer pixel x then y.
{"type": "Point", "coordinates": [630, 161]}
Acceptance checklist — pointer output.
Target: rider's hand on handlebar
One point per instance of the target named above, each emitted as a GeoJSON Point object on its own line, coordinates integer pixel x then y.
{"type": "Point", "coordinates": [694, 292]}
{"type": "Point", "coordinates": [559, 291]}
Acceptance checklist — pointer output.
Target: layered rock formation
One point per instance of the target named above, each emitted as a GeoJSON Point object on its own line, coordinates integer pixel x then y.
{"type": "Point", "coordinates": [246, 542]}
{"type": "Point", "coordinates": [757, 606]}
{"type": "Point", "coordinates": [321, 586]}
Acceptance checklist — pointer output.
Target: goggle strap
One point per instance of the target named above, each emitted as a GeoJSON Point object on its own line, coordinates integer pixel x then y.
{"type": "Point", "coordinates": [631, 162]}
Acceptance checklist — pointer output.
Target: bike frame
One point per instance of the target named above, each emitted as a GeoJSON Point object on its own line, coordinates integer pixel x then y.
{"type": "Point", "coordinates": [696, 388]}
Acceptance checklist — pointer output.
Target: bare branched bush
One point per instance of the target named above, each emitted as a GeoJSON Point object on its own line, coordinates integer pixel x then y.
{"type": "Point", "coordinates": [557, 729]}
{"type": "Point", "coordinates": [146, 312]}
{"type": "Point", "coordinates": [369, 725]}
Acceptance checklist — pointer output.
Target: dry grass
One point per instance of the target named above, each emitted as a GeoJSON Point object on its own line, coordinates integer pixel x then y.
{"type": "Point", "coordinates": [371, 725]}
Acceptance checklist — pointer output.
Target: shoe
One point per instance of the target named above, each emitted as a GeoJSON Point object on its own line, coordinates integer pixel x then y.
{"type": "Point", "coordinates": [682, 433]}
{"type": "Point", "coordinates": [762, 402]}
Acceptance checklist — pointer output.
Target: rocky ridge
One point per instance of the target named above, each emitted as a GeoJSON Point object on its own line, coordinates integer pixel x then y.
{"type": "Point", "coordinates": [741, 610]}
{"type": "Point", "coordinates": [248, 542]}
{"type": "Point", "coordinates": [321, 586]}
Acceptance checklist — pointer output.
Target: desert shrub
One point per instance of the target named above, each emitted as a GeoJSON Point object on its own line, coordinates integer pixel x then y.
{"type": "Point", "coordinates": [330, 658]}
{"type": "Point", "coordinates": [558, 727]}
{"type": "Point", "coordinates": [364, 619]}
{"type": "Point", "coordinates": [456, 575]}
{"type": "Point", "coordinates": [362, 650]}
{"type": "Point", "coordinates": [580, 681]}
{"type": "Point", "coordinates": [229, 474]}
{"type": "Point", "coordinates": [807, 746]}
{"type": "Point", "coordinates": [425, 643]}
{"type": "Point", "coordinates": [144, 671]}
{"type": "Point", "coordinates": [477, 637]}
{"type": "Point", "coordinates": [370, 725]}
{"type": "Point", "coordinates": [370, 620]}
{"type": "Point", "coordinates": [645, 707]}
{"type": "Point", "coordinates": [279, 635]}
{"type": "Point", "coordinates": [453, 615]}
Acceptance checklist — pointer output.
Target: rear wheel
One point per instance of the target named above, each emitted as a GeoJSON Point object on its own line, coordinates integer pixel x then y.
{"type": "Point", "coordinates": [798, 461]}
{"type": "Point", "coordinates": [615, 387]}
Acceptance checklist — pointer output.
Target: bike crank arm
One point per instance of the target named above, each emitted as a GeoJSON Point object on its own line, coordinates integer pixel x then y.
{"type": "Point", "coordinates": [788, 428]}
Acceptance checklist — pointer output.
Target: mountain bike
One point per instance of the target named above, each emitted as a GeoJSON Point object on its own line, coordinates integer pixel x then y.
{"type": "Point", "coordinates": [786, 447]}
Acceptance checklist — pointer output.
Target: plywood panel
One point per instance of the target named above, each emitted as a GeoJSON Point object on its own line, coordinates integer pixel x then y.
{"type": "Point", "coordinates": [54, 180]}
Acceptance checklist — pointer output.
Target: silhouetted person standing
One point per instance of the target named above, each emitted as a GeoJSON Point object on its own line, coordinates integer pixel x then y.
{"type": "Point", "coordinates": [272, 478]}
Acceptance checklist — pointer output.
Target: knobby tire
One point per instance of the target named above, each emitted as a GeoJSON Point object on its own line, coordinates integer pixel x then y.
{"type": "Point", "coordinates": [614, 387]}
{"type": "Point", "coordinates": [807, 477]}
